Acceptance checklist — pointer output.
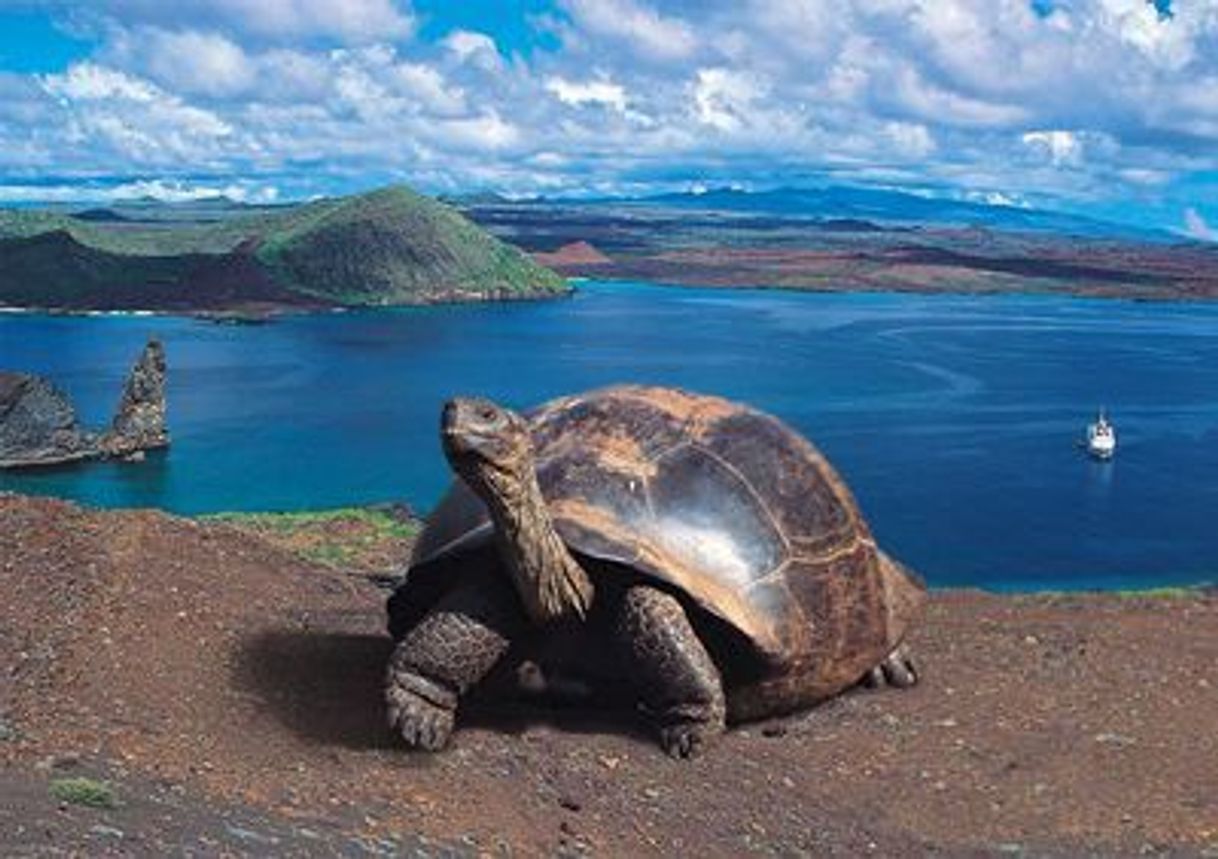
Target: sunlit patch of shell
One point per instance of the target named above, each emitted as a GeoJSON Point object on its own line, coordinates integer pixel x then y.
{"type": "Point", "coordinates": [706, 547]}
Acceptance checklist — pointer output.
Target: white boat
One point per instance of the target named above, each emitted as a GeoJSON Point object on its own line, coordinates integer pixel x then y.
{"type": "Point", "coordinates": [1101, 438]}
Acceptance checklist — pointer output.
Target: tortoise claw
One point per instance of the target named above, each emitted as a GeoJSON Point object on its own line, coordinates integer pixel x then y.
{"type": "Point", "coordinates": [897, 670]}
{"type": "Point", "coordinates": [423, 724]}
{"type": "Point", "coordinates": [685, 740]}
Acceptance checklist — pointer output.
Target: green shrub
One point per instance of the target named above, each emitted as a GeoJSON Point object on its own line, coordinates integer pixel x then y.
{"type": "Point", "coordinates": [83, 791]}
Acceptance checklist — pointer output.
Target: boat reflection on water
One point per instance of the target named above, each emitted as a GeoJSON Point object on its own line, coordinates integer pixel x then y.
{"type": "Point", "coordinates": [1099, 483]}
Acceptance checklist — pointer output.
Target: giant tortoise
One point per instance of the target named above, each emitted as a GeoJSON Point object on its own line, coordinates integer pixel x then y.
{"type": "Point", "coordinates": [707, 545]}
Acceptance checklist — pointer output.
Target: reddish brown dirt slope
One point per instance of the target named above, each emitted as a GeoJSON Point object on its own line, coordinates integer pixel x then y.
{"type": "Point", "coordinates": [199, 657]}
{"type": "Point", "coordinates": [572, 254]}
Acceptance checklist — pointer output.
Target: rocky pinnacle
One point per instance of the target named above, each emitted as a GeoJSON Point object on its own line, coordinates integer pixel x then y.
{"type": "Point", "coordinates": [139, 422]}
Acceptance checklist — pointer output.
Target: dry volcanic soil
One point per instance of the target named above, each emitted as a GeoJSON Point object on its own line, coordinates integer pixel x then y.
{"type": "Point", "coordinates": [171, 686]}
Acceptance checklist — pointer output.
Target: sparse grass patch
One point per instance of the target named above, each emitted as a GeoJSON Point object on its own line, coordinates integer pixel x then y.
{"type": "Point", "coordinates": [374, 517]}
{"type": "Point", "coordinates": [1174, 593]}
{"type": "Point", "coordinates": [354, 539]}
{"type": "Point", "coordinates": [1167, 592]}
{"type": "Point", "coordinates": [83, 791]}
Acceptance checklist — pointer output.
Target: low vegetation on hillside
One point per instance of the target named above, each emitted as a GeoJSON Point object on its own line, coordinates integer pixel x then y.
{"type": "Point", "coordinates": [387, 247]}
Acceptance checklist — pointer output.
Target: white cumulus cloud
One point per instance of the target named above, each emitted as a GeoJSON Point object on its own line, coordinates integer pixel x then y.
{"type": "Point", "coordinates": [190, 61]}
{"type": "Point", "coordinates": [133, 117]}
{"type": "Point", "coordinates": [723, 97]}
{"type": "Point", "coordinates": [469, 46]}
{"type": "Point", "coordinates": [86, 82]}
{"type": "Point", "coordinates": [587, 92]}
{"type": "Point", "coordinates": [1061, 147]}
{"type": "Point", "coordinates": [346, 20]}
{"type": "Point", "coordinates": [641, 26]}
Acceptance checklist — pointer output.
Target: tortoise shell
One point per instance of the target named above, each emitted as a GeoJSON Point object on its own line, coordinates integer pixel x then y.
{"type": "Point", "coordinates": [718, 501]}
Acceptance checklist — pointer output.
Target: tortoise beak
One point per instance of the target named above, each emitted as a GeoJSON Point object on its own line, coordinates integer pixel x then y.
{"type": "Point", "coordinates": [466, 426]}
{"type": "Point", "coordinates": [454, 432]}
{"type": "Point", "coordinates": [450, 417]}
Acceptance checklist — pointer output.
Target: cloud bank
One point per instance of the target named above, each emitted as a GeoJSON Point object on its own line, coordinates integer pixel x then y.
{"type": "Point", "coordinates": [1101, 103]}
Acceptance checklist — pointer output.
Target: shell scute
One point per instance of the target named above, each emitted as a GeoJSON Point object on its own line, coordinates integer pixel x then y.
{"type": "Point", "coordinates": [621, 428]}
{"type": "Point", "coordinates": [841, 612]}
{"type": "Point", "coordinates": [583, 475]}
{"type": "Point", "coordinates": [810, 503]}
{"type": "Point", "coordinates": [706, 513]}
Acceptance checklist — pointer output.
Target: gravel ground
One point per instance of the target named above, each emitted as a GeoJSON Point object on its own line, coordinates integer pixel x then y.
{"type": "Point", "coordinates": [229, 692]}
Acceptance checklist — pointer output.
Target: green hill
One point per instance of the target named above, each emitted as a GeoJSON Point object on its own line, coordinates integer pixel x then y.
{"type": "Point", "coordinates": [387, 247]}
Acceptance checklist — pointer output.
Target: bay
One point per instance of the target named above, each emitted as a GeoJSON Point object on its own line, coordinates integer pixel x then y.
{"type": "Point", "coordinates": [955, 419]}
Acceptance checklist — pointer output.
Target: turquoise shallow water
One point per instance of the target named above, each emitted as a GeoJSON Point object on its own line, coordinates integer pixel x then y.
{"type": "Point", "coordinates": [954, 418]}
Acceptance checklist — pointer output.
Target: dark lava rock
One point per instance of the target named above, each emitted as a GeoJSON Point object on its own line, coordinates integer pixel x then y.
{"type": "Point", "coordinates": [38, 424]}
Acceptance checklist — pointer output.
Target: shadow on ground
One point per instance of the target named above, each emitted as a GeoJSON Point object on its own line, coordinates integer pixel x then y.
{"type": "Point", "coordinates": [328, 687]}
{"type": "Point", "coordinates": [324, 686]}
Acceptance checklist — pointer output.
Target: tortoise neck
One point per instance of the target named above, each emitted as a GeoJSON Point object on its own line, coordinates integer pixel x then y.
{"type": "Point", "coordinates": [549, 580]}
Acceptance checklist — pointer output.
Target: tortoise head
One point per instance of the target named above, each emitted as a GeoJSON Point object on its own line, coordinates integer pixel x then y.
{"type": "Point", "coordinates": [484, 441]}
{"type": "Point", "coordinates": [491, 448]}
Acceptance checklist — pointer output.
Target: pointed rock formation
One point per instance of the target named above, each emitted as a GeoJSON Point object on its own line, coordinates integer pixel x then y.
{"type": "Point", "coordinates": [139, 422]}
{"type": "Point", "coordinates": [38, 424]}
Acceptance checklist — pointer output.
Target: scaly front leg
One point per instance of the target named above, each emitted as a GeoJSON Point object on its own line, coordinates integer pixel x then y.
{"type": "Point", "coordinates": [677, 680]}
{"type": "Point", "coordinates": [445, 655]}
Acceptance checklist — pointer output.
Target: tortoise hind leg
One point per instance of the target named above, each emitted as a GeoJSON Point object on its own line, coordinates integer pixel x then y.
{"type": "Point", "coordinates": [442, 657]}
{"type": "Point", "coordinates": [897, 669]}
{"type": "Point", "coordinates": [675, 676]}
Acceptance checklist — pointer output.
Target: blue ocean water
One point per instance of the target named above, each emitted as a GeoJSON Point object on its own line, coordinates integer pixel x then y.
{"type": "Point", "coordinates": [955, 419]}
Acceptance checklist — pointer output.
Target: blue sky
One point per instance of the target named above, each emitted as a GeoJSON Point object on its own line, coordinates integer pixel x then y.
{"type": "Point", "coordinates": [1105, 107]}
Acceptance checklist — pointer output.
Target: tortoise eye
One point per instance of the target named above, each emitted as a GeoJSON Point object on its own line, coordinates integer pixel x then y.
{"type": "Point", "coordinates": [486, 413]}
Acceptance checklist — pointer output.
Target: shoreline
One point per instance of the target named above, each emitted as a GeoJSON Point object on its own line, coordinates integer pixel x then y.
{"type": "Point", "coordinates": [1170, 301]}
{"type": "Point", "coordinates": [262, 316]}
{"type": "Point", "coordinates": [269, 312]}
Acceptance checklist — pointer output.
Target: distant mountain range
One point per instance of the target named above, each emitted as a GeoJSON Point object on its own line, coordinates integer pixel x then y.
{"type": "Point", "coordinates": [386, 247]}
{"type": "Point", "coordinates": [885, 206]}
{"type": "Point", "coordinates": [859, 206]}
